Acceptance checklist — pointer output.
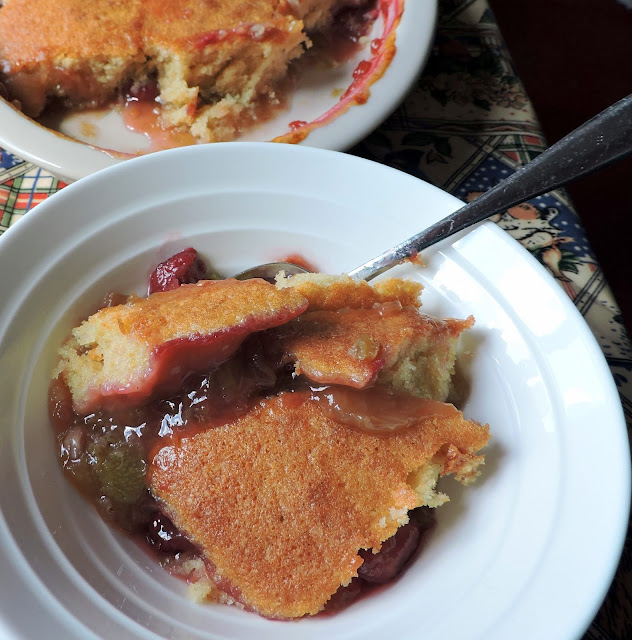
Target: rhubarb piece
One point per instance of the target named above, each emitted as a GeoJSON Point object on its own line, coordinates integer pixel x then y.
{"type": "Point", "coordinates": [123, 355]}
{"type": "Point", "coordinates": [282, 500]}
{"type": "Point", "coordinates": [120, 471]}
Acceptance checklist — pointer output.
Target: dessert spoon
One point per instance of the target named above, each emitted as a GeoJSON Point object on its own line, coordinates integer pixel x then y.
{"type": "Point", "coordinates": [602, 140]}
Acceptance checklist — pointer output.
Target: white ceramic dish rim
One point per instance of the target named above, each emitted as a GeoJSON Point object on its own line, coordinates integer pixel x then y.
{"type": "Point", "coordinates": [42, 227]}
{"type": "Point", "coordinates": [70, 160]}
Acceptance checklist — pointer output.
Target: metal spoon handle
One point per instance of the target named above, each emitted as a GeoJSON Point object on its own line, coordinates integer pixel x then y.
{"type": "Point", "coordinates": [603, 139]}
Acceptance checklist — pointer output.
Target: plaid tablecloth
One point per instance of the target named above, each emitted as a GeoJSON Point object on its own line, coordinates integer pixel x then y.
{"type": "Point", "coordinates": [465, 126]}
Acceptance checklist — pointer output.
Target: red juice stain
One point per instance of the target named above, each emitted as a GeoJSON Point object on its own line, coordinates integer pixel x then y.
{"type": "Point", "coordinates": [361, 70]}
{"type": "Point", "coordinates": [297, 124]}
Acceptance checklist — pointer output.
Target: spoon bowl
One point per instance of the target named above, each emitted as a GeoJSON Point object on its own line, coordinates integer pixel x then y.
{"type": "Point", "coordinates": [270, 270]}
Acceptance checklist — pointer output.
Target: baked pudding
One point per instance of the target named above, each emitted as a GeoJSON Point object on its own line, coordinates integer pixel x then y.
{"type": "Point", "coordinates": [286, 470]}
{"type": "Point", "coordinates": [211, 67]}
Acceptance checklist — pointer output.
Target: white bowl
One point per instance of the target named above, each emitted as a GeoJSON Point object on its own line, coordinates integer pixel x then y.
{"type": "Point", "coordinates": [69, 153]}
{"type": "Point", "coordinates": [527, 552]}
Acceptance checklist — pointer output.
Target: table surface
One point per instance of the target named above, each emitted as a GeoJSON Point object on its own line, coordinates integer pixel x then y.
{"type": "Point", "coordinates": [568, 80]}
{"type": "Point", "coordinates": [466, 125]}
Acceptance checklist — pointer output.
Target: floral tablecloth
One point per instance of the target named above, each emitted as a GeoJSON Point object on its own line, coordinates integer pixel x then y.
{"type": "Point", "coordinates": [465, 126]}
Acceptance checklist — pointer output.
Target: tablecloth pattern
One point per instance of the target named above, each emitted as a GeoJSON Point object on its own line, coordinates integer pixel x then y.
{"type": "Point", "coordinates": [466, 125]}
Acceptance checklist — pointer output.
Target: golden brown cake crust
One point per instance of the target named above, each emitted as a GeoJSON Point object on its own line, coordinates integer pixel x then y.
{"type": "Point", "coordinates": [353, 345]}
{"type": "Point", "coordinates": [330, 293]}
{"type": "Point", "coordinates": [117, 28]}
{"type": "Point", "coordinates": [167, 22]}
{"type": "Point", "coordinates": [208, 306]}
{"type": "Point", "coordinates": [111, 27]}
{"type": "Point", "coordinates": [126, 353]}
{"type": "Point", "coordinates": [282, 499]}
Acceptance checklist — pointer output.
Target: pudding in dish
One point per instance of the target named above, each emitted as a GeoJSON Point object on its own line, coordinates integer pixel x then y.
{"type": "Point", "coordinates": [210, 67]}
{"type": "Point", "coordinates": [285, 463]}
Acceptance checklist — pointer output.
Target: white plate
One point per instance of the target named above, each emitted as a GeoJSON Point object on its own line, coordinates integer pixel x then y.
{"type": "Point", "coordinates": [527, 552]}
{"type": "Point", "coordinates": [75, 155]}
